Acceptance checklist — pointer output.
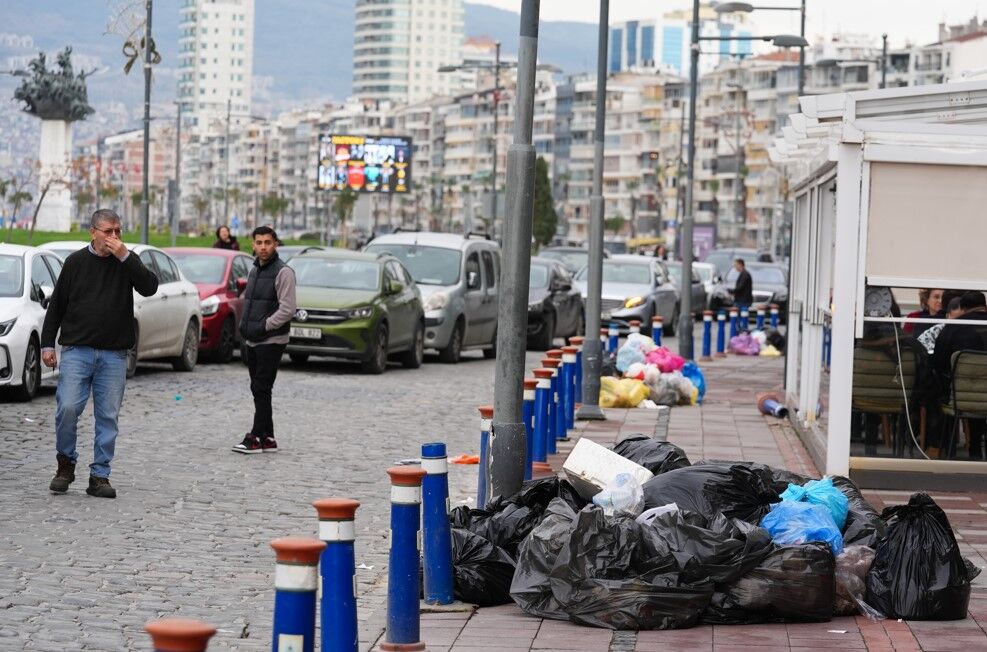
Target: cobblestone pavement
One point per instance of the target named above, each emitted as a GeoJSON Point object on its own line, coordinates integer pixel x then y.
{"type": "Point", "coordinates": [188, 535]}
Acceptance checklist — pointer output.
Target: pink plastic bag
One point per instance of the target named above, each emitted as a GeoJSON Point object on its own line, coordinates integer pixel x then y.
{"type": "Point", "coordinates": [744, 344]}
{"type": "Point", "coordinates": [665, 360]}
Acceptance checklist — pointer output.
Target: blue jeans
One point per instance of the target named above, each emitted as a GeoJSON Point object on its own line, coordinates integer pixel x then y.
{"type": "Point", "coordinates": [84, 370]}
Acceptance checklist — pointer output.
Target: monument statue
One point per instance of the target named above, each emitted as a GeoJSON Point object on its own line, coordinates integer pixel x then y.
{"type": "Point", "coordinates": [57, 94]}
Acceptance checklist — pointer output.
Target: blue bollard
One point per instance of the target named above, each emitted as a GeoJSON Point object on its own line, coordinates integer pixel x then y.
{"type": "Point", "coordinates": [744, 324]}
{"type": "Point", "coordinates": [553, 404]}
{"type": "Point", "coordinates": [296, 580]}
{"type": "Point", "coordinates": [721, 335]}
{"type": "Point", "coordinates": [759, 324]}
{"type": "Point", "coordinates": [561, 429]}
{"type": "Point", "coordinates": [542, 392]}
{"type": "Point", "coordinates": [179, 635]}
{"type": "Point", "coordinates": [634, 327]}
{"type": "Point", "coordinates": [613, 335]}
{"type": "Point", "coordinates": [528, 416]}
{"type": "Point", "coordinates": [604, 340]}
{"type": "Point", "coordinates": [774, 315]}
{"type": "Point", "coordinates": [403, 623]}
{"type": "Point", "coordinates": [707, 335]}
{"type": "Point", "coordinates": [733, 323]}
{"type": "Point", "coordinates": [570, 358]}
{"type": "Point", "coordinates": [486, 422]}
{"type": "Point", "coordinates": [657, 329]}
{"type": "Point", "coordinates": [337, 569]}
{"type": "Point", "coordinates": [577, 341]}
{"type": "Point", "coordinates": [437, 538]}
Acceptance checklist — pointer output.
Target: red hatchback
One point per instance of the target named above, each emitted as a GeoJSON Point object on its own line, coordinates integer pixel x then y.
{"type": "Point", "coordinates": [221, 276]}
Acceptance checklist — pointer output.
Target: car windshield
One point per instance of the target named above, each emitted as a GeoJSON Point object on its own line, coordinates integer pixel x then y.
{"type": "Point", "coordinates": [427, 265]}
{"type": "Point", "coordinates": [623, 273]}
{"type": "Point", "coordinates": [769, 275]}
{"type": "Point", "coordinates": [316, 271]}
{"type": "Point", "coordinates": [539, 276]}
{"type": "Point", "coordinates": [201, 268]}
{"type": "Point", "coordinates": [11, 275]}
{"type": "Point", "coordinates": [573, 260]}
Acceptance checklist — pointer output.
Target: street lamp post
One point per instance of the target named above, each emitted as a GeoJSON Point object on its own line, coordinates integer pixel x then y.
{"type": "Point", "coordinates": [738, 209]}
{"type": "Point", "coordinates": [746, 8]}
{"type": "Point", "coordinates": [496, 115]}
{"type": "Point", "coordinates": [884, 60]}
{"type": "Point", "coordinates": [176, 196]}
{"type": "Point", "coordinates": [146, 195]}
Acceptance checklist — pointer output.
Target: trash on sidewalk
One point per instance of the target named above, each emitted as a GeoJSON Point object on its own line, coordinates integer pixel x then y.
{"type": "Point", "coordinates": [792, 522]}
{"type": "Point", "coordinates": [744, 344]}
{"type": "Point", "coordinates": [918, 572]}
{"type": "Point", "coordinates": [731, 489]}
{"type": "Point", "coordinates": [482, 571]}
{"type": "Point", "coordinates": [694, 375]}
{"type": "Point", "coordinates": [769, 405]}
{"type": "Point", "coordinates": [821, 492]}
{"type": "Point", "coordinates": [590, 467]}
{"type": "Point", "coordinates": [852, 566]}
{"type": "Point", "coordinates": [465, 459]}
{"type": "Point", "coordinates": [622, 392]}
{"type": "Point", "coordinates": [656, 456]}
{"type": "Point", "coordinates": [623, 495]}
{"type": "Point", "coordinates": [863, 524]}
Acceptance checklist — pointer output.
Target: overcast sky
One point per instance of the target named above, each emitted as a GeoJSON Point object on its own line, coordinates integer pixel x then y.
{"type": "Point", "coordinates": [915, 20]}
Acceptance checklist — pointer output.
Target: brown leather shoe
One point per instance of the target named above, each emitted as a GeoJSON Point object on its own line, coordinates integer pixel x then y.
{"type": "Point", "coordinates": [64, 476]}
{"type": "Point", "coordinates": [100, 487]}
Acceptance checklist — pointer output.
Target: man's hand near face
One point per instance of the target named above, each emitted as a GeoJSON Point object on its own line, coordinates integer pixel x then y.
{"type": "Point", "coordinates": [116, 247]}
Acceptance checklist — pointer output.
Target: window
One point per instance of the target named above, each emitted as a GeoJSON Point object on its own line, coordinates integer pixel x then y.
{"type": "Point", "coordinates": [166, 273]}
{"type": "Point", "coordinates": [489, 269]}
{"type": "Point", "coordinates": [40, 277]}
{"type": "Point", "coordinates": [473, 281]}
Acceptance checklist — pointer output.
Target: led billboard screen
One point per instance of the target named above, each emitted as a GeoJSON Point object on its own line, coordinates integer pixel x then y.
{"type": "Point", "coordinates": [379, 164]}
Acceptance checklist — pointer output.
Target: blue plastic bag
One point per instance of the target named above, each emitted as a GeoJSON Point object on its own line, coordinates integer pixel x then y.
{"type": "Point", "coordinates": [821, 492]}
{"type": "Point", "coordinates": [692, 371]}
{"type": "Point", "coordinates": [795, 523]}
{"type": "Point", "coordinates": [628, 355]}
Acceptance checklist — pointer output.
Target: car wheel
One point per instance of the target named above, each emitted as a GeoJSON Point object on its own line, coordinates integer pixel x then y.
{"type": "Point", "coordinates": [378, 354]}
{"type": "Point", "coordinates": [413, 357]}
{"type": "Point", "coordinates": [227, 342]}
{"type": "Point", "coordinates": [454, 350]}
{"type": "Point", "coordinates": [190, 349]}
{"type": "Point", "coordinates": [132, 354]}
{"type": "Point", "coordinates": [31, 375]}
{"type": "Point", "coordinates": [547, 333]}
{"type": "Point", "coordinates": [491, 353]}
{"type": "Point", "coordinates": [298, 358]}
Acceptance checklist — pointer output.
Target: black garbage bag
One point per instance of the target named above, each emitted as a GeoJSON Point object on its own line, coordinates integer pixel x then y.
{"type": "Point", "coordinates": [918, 572]}
{"type": "Point", "coordinates": [792, 584]}
{"type": "Point", "coordinates": [530, 587]}
{"type": "Point", "coordinates": [482, 572]}
{"type": "Point", "coordinates": [731, 489]}
{"type": "Point", "coordinates": [864, 526]}
{"type": "Point", "coordinates": [718, 549]}
{"type": "Point", "coordinates": [778, 479]}
{"type": "Point", "coordinates": [775, 339]}
{"type": "Point", "coordinates": [656, 456]}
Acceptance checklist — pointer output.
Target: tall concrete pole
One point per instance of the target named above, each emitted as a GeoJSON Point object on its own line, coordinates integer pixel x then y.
{"type": "Point", "coordinates": [884, 60]}
{"type": "Point", "coordinates": [592, 353]}
{"type": "Point", "coordinates": [496, 108]}
{"type": "Point", "coordinates": [146, 196]}
{"type": "Point", "coordinates": [802, 52]}
{"type": "Point", "coordinates": [507, 437]}
{"type": "Point", "coordinates": [689, 218]}
{"type": "Point", "coordinates": [176, 211]}
{"type": "Point", "coordinates": [226, 176]}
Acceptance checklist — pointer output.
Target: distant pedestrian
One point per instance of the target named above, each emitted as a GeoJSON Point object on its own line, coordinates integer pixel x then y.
{"type": "Point", "coordinates": [93, 305]}
{"type": "Point", "coordinates": [661, 252]}
{"type": "Point", "coordinates": [743, 289]}
{"type": "Point", "coordinates": [225, 239]}
{"type": "Point", "coordinates": [269, 305]}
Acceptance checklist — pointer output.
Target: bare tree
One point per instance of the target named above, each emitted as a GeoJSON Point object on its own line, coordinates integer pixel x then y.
{"type": "Point", "coordinates": [18, 195]}
{"type": "Point", "coordinates": [54, 175]}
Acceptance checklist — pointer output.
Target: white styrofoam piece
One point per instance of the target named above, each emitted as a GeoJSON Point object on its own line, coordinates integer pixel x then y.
{"type": "Point", "coordinates": [590, 467]}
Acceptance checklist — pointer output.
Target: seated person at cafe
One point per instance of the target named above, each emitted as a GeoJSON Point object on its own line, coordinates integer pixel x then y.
{"type": "Point", "coordinates": [931, 302]}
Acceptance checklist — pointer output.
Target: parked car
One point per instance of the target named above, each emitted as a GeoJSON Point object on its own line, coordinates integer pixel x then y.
{"type": "Point", "coordinates": [555, 306]}
{"type": "Point", "coordinates": [62, 248]}
{"type": "Point", "coordinates": [574, 258]}
{"type": "Point", "coordinates": [635, 287]}
{"type": "Point", "coordinates": [168, 322]}
{"type": "Point", "coordinates": [358, 306]}
{"type": "Point", "coordinates": [723, 258]}
{"type": "Point", "coordinates": [287, 252]}
{"type": "Point", "coordinates": [699, 299]}
{"type": "Point", "coordinates": [221, 277]}
{"type": "Point", "coordinates": [770, 282]}
{"type": "Point", "coordinates": [27, 279]}
{"type": "Point", "coordinates": [459, 278]}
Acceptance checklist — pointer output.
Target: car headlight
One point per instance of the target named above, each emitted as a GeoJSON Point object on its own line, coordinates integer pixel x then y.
{"type": "Point", "coordinates": [209, 305]}
{"type": "Point", "coordinates": [633, 302]}
{"type": "Point", "coordinates": [7, 326]}
{"type": "Point", "coordinates": [360, 313]}
{"type": "Point", "coordinates": [437, 301]}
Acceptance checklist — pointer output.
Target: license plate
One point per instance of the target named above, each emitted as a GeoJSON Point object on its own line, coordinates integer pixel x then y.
{"type": "Point", "coordinates": [306, 333]}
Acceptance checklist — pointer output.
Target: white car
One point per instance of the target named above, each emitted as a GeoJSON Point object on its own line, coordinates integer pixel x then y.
{"type": "Point", "coordinates": [27, 279]}
{"type": "Point", "coordinates": [169, 322]}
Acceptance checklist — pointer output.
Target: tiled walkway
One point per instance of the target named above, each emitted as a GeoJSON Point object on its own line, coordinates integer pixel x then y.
{"type": "Point", "coordinates": [727, 426]}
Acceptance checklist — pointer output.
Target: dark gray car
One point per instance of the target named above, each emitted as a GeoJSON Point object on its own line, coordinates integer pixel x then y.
{"type": "Point", "coordinates": [555, 305]}
{"type": "Point", "coordinates": [635, 288]}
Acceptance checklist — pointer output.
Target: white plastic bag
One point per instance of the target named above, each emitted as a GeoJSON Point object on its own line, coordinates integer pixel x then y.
{"type": "Point", "coordinates": [624, 494]}
{"type": "Point", "coordinates": [649, 515]}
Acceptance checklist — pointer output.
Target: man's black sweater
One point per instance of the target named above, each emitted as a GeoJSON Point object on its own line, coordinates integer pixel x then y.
{"type": "Point", "coordinates": [93, 301]}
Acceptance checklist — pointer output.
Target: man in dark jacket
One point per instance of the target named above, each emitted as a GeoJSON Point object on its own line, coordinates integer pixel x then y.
{"type": "Point", "coordinates": [269, 305]}
{"type": "Point", "coordinates": [743, 289]}
{"type": "Point", "coordinates": [93, 305]}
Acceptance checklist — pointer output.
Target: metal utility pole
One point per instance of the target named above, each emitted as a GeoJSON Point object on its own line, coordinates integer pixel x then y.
{"type": "Point", "coordinates": [496, 115]}
{"type": "Point", "coordinates": [176, 196]}
{"type": "Point", "coordinates": [802, 52]}
{"type": "Point", "coordinates": [688, 219]}
{"type": "Point", "coordinates": [884, 60]}
{"type": "Point", "coordinates": [592, 353]}
{"type": "Point", "coordinates": [146, 196]}
{"type": "Point", "coordinates": [226, 177]}
{"type": "Point", "coordinates": [507, 437]}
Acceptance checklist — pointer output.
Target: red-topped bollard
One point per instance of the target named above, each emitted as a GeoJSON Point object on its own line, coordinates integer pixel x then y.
{"type": "Point", "coordinates": [561, 426]}
{"type": "Point", "coordinates": [338, 570]}
{"type": "Point", "coordinates": [605, 340]}
{"type": "Point", "coordinates": [179, 635]}
{"type": "Point", "coordinates": [486, 423]}
{"type": "Point", "coordinates": [543, 388]}
{"type": "Point", "coordinates": [528, 416]}
{"type": "Point", "coordinates": [570, 357]}
{"type": "Point", "coordinates": [634, 327]}
{"type": "Point", "coordinates": [553, 403]}
{"type": "Point", "coordinates": [657, 329]}
{"type": "Point", "coordinates": [577, 340]}
{"type": "Point", "coordinates": [296, 580]}
{"type": "Point", "coordinates": [403, 622]}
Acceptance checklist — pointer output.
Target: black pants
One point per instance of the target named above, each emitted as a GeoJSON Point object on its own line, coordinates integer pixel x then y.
{"type": "Point", "coordinates": [263, 361]}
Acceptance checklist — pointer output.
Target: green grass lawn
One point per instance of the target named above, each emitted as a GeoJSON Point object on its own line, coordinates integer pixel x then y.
{"type": "Point", "coordinates": [20, 236]}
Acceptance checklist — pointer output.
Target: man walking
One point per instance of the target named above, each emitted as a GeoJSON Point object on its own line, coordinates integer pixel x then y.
{"type": "Point", "coordinates": [743, 289]}
{"type": "Point", "coordinates": [93, 305]}
{"type": "Point", "coordinates": [269, 305]}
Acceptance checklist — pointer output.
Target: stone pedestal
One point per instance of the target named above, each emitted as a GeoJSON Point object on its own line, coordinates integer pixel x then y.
{"type": "Point", "coordinates": [55, 159]}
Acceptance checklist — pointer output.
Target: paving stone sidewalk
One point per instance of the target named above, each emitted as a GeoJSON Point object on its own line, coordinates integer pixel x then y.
{"type": "Point", "coordinates": [728, 426]}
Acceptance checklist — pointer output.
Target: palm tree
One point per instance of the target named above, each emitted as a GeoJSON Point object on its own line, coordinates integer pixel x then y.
{"type": "Point", "coordinates": [343, 208]}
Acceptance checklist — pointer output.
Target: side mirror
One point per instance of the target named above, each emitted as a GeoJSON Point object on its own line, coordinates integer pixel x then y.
{"type": "Point", "coordinates": [241, 285]}
{"type": "Point", "coordinates": [472, 280]}
{"type": "Point", "coordinates": [44, 293]}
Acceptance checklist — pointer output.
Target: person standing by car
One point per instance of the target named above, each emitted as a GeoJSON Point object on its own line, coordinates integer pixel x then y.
{"type": "Point", "coordinates": [269, 304]}
{"type": "Point", "coordinates": [225, 239]}
{"type": "Point", "coordinates": [743, 289]}
{"type": "Point", "coordinates": [93, 305]}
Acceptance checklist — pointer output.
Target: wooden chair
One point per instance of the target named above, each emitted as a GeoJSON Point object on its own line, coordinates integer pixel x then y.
{"type": "Point", "coordinates": [967, 392]}
{"type": "Point", "coordinates": [877, 384]}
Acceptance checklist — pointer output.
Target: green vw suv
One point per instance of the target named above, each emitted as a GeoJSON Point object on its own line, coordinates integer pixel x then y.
{"type": "Point", "coordinates": [357, 306]}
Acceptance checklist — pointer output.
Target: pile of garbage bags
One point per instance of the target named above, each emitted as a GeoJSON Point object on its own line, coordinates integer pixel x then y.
{"type": "Point", "coordinates": [712, 542]}
{"type": "Point", "coordinates": [651, 373]}
{"type": "Point", "coordinates": [768, 343]}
